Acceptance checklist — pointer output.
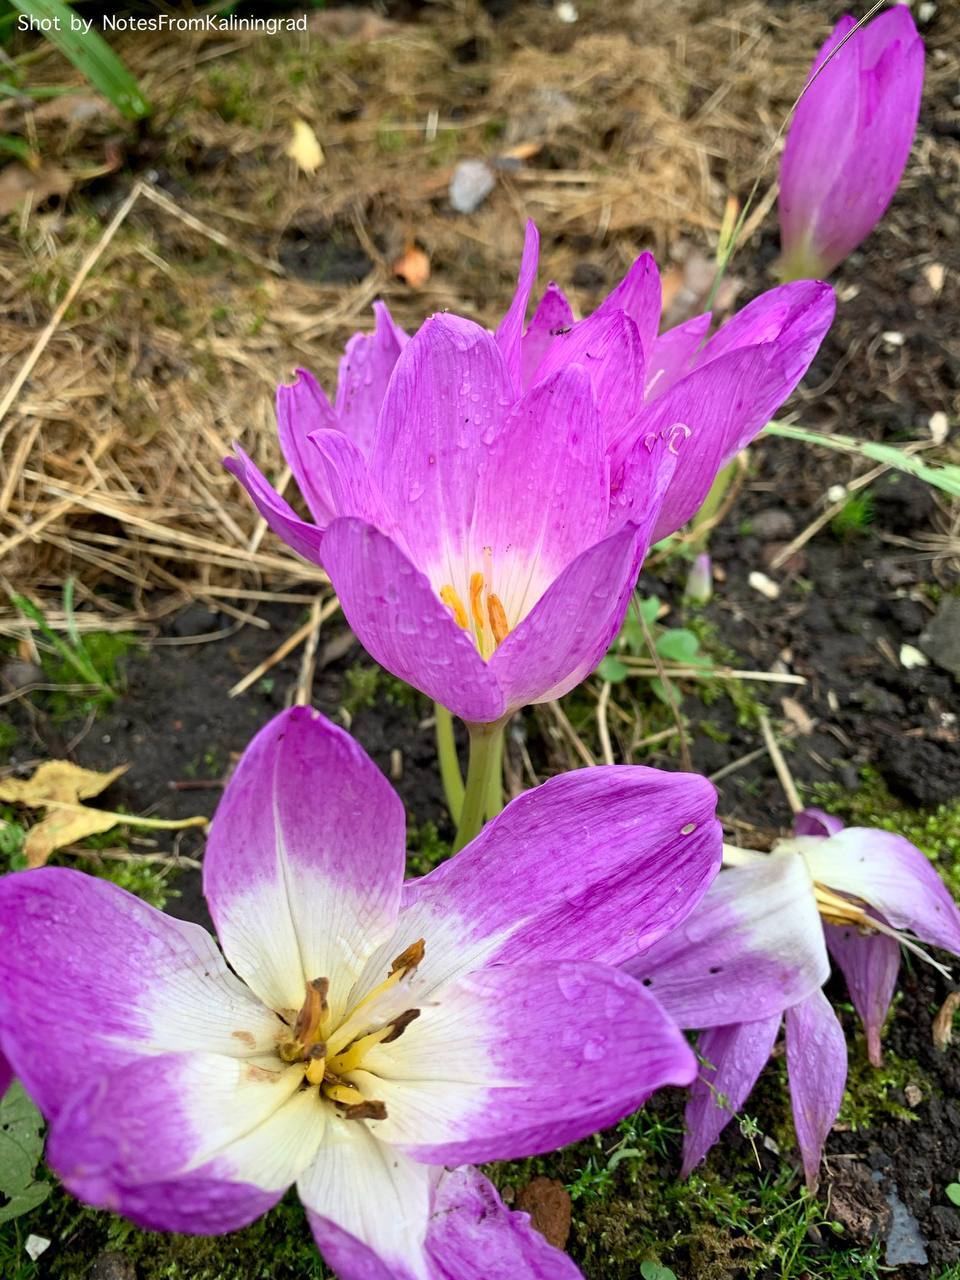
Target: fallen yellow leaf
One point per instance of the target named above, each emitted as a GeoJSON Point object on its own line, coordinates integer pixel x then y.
{"type": "Point", "coordinates": [58, 780]}
{"type": "Point", "coordinates": [61, 827]}
{"type": "Point", "coordinates": [304, 148]}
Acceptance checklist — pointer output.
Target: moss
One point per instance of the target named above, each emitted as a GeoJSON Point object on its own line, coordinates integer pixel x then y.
{"type": "Point", "coordinates": [877, 1093]}
{"type": "Point", "coordinates": [362, 683]}
{"type": "Point", "coordinates": [149, 882]}
{"type": "Point", "coordinates": [934, 830]}
{"type": "Point", "coordinates": [425, 849]}
{"type": "Point", "coordinates": [9, 736]}
{"type": "Point", "coordinates": [103, 652]}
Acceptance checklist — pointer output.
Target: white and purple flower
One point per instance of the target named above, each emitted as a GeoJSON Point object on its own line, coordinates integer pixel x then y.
{"type": "Point", "coordinates": [362, 1036]}
{"type": "Point", "coordinates": [754, 955]}
{"type": "Point", "coordinates": [483, 501]}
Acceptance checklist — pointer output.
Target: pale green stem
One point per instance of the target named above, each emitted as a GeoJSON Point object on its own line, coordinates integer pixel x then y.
{"type": "Point", "coordinates": [450, 774]}
{"type": "Point", "coordinates": [494, 803]}
{"type": "Point", "coordinates": [486, 742]}
{"type": "Point", "coordinates": [711, 504]}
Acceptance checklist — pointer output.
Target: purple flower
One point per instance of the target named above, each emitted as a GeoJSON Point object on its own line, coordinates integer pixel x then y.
{"type": "Point", "coordinates": [849, 141]}
{"type": "Point", "coordinates": [485, 531]}
{"type": "Point", "coordinates": [759, 941]}
{"type": "Point", "coordinates": [368, 1033]}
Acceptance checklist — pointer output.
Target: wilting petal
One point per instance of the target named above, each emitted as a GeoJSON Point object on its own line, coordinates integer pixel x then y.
{"type": "Point", "coordinates": [817, 1067]}
{"type": "Point", "coordinates": [446, 400]}
{"type": "Point", "coordinates": [607, 345]}
{"type": "Point", "coordinates": [509, 1062]}
{"type": "Point", "coordinates": [849, 140]}
{"type": "Point", "coordinates": [735, 1056]}
{"type": "Point", "coordinates": [280, 516]}
{"type": "Point", "coordinates": [815, 822]}
{"type": "Point", "coordinates": [365, 370]}
{"type": "Point", "coordinates": [892, 876]}
{"type": "Point", "coordinates": [870, 963]}
{"type": "Point", "coordinates": [638, 295]}
{"type": "Point", "coordinates": [573, 624]}
{"type": "Point", "coordinates": [599, 863]}
{"type": "Point", "coordinates": [511, 326]}
{"type": "Point", "coordinates": [472, 1236]}
{"type": "Point", "coordinates": [303, 408]}
{"type": "Point", "coordinates": [542, 494]}
{"type": "Point", "coordinates": [368, 1205]}
{"type": "Point", "coordinates": [672, 354]}
{"type": "Point", "coordinates": [304, 860]}
{"type": "Point", "coordinates": [401, 621]}
{"type": "Point", "coordinates": [790, 322]}
{"type": "Point", "coordinates": [91, 978]}
{"type": "Point", "coordinates": [552, 316]}
{"type": "Point", "coordinates": [754, 942]}
{"type": "Point", "coordinates": [155, 1143]}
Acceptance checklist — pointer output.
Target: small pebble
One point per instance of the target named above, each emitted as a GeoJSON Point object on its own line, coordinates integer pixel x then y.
{"type": "Point", "coordinates": [836, 493]}
{"type": "Point", "coordinates": [911, 657]}
{"type": "Point", "coordinates": [893, 339]}
{"type": "Point", "coordinates": [566, 12]}
{"type": "Point", "coordinates": [35, 1245]}
{"type": "Point", "coordinates": [470, 185]}
{"type": "Point", "coordinates": [774, 525]}
{"type": "Point", "coordinates": [766, 586]}
{"type": "Point", "coordinates": [939, 425]}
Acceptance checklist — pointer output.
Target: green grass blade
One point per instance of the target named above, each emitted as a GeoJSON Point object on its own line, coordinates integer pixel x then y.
{"type": "Point", "coordinates": [77, 658]}
{"type": "Point", "coordinates": [89, 53]}
{"type": "Point", "coordinates": [945, 476]}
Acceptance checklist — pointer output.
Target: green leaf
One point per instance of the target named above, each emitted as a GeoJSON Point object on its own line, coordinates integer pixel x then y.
{"type": "Point", "coordinates": [649, 608]}
{"type": "Point", "coordinates": [953, 1192]}
{"type": "Point", "coordinates": [17, 147]}
{"type": "Point", "coordinates": [612, 669]}
{"type": "Point", "coordinates": [21, 1146]}
{"type": "Point", "coordinates": [89, 53]}
{"type": "Point", "coordinates": [654, 1271]}
{"type": "Point", "coordinates": [680, 645]}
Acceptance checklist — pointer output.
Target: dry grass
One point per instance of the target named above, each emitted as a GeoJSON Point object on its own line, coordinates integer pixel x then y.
{"type": "Point", "coordinates": [227, 268]}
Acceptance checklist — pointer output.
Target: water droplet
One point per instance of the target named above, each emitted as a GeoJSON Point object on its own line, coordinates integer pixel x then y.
{"type": "Point", "coordinates": [594, 1048]}
{"type": "Point", "coordinates": [688, 829]}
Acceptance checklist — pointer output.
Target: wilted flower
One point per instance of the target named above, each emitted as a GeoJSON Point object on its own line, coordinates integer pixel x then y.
{"type": "Point", "coordinates": [375, 1032]}
{"type": "Point", "coordinates": [485, 534]}
{"type": "Point", "coordinates": [759, 940]}
{"type": "Point", "coordinates": [849, 141]}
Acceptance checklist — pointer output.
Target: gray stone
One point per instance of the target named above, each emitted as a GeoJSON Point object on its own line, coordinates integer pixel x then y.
{"type": "Point", "coordinates": [941, 640]}
{"type": "Point", "coordinates": [470, 185]}
{"type": "Point", "coordinates": [113, 1266]}
{"type": "Point", "coordinates": [773, 525]}
{"type": "Point", "coordinates": [905, 1244]}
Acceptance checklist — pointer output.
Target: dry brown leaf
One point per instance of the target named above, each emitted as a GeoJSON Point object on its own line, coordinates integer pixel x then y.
{"type": "Point", "coordinates": [17, 183]}
{"type": "Point", "coordinates": [413, 266]}
{"type": "Point", "coordinates": [798, 716]}
{"type": "Point", "coordinates": [304, 148]}
{"type": "Point", "coordinates": [943, 1022]}
{"type": "Point", "coordinates": [58, 780]}
{"type": "Point", "coordinates": [62, 827]}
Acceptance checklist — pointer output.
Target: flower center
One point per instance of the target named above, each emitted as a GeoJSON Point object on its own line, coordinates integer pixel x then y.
{"type": "Point", "coordinates": [486, 619]}
{"type": "Point", "coordinates": [332, 1054]}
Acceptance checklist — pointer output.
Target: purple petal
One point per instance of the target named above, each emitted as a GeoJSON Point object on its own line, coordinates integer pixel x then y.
{"type": "Point", "coordinates": [849, 140]}
{"type": "Point", "coordinates": [401, 621]}
{"type": "Point", "coordinates": [6, 1075]}
{"type": "Point", "coordinates": [817, 1067]}
{"type": "Point", "coordinates": [672, 355]}
{"type": "Point", "coordinates": [469, 1080]}
{"type": "Point", "coordinates": [86, 965]}
{"type": "Point", "coordinates": [638, 295]}
{"type": "Point", "coordinates": [815, 822]}
{"type": "Point", "coordinates": [511, 326]}
{"type": "Point", "coordinates": [365, 370]}
{"type": "Point", "coordinates": [543, 491]}
{"type": "Point", "coordinates": [570, 628]}
{"type": "Point", "coordinates": [304, 538]}
{"type": "Point", "coordinates": [599, 863]}
{"type": "Point", "coordinates": [368, 1205]}
{"type": "Point", "coordinates": [892, 876]}
{"type": "Point", "coordinates": [870, 963]}
{"type": "Point", "coordinates": [304, 860]}
{"type": "Point", "coordinates": [302, 408]}
{"type": "Point", "coordinates": [194, 1143]}
{"type": "Point", "coordinates": [472, 1236]}
{"type": "Point", "coordinates": [641, 473]}
{"type": "Point", "coordinates": [754, 942]}
{"type": "Point", "coordinates": [553, 314]}
{"type": "Point", "coordinates": [607, 345]}
{"type": "Point", "coordinates": [447, 398]}
{"type": "Point", "coordinates": [345, 476]}
{"type": "Point", "coordinates": [735, 1056]}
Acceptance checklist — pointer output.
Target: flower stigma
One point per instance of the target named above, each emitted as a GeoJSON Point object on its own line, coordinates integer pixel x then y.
{"type": "Point", "coordinates": [330, 1053]}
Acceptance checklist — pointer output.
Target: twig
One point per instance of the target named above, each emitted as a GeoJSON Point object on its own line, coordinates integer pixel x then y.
{"type": "Point", "coordinates": [667, 686]}
{"type": "Point", "coordinates": [603, 729]}
{"type": "Point", "coordinates": [825, 517]}
{"type": "Point", "coordinates": [570, 733]}
{"type": "Point", "coordinates": [308, 662]}
{"type": "Point", "coordinates": [740, 763]}
{"type": "Point", "coordinates": [643, 667]}
{"type": "Point", "coordinates": [283, 650]}
{"type": "Point", "coordinates": [780, 764]}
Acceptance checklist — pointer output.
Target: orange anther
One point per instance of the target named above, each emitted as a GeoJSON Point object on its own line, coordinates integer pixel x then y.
{"type": "Point", "coordinates": [498, 619]}
{"type": "Point", "coordinates": [453, 602]}
{"type": "Point", "coordinates": [476, 598]}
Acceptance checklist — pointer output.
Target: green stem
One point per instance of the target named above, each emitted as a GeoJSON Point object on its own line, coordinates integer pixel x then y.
{"type": "Point", "coordinates": [494, 803]}
{"type": "Point", "coordinates": [486, 741]}
{"type": "Point", "coordinates": [450, 773]}
{"type": "Point", "coordinates": [711, 503]}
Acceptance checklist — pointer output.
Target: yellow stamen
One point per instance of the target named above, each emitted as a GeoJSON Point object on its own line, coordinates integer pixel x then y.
{"type": "Point", "coordinates": [317, 1064]}
{"type": "Point", "coordinates": [476, 600]}
{"type": "Point", "coordinates": [405, 963]}
{"type": "Point", "coordinates": [498, 619]}
{"type": "Point", "coordinates": [352, 1057]}
{"type": "Point", "coordinates": [453, 602]}
{"type": "Point", "coordinates": [838, 910]}
{"type": "Point", "coordinates": [347, 1094]}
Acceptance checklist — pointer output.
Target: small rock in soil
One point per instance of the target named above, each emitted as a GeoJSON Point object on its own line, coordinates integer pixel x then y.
{"type": "Point", "coordinates": [548, 1204]}
{"type": "Point", "coordinates": [195, 620]}
{"type": "Point", "coordinates": [19, 674]}
{"type": "Point", "coordinates": [774, 525]}
{"type": "Point", "coordinates": [470, 185]}
{"type": "Point", "coordinates": [113, 1266]}
{"type": "Point", "coordinates": [904, 1241]}
{"type": "Point", "coordinates": [858, 1204]}
{"type": "Point", "coordinates": [922, 773]}
{"type": "Point", "coordinates": [941, 640]}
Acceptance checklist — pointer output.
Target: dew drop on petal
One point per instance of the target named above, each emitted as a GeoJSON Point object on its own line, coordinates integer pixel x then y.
{"type": "Point", "coordinates": [688, 829]}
